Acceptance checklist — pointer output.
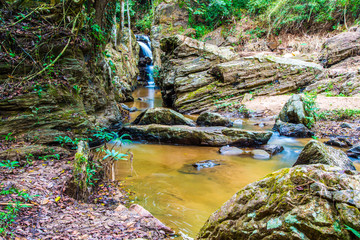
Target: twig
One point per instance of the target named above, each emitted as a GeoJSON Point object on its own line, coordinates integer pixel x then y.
{"type": "Point", "coordinates": [14, 204]}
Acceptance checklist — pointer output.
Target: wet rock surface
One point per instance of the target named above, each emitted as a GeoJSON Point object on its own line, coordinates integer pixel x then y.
{"type": "Point", "coordinates": [207, 136]}
{"type": "Point", "coordinates": [324, 200]}
{"type": "Point", "coordinates": [354, 152]}
{"type": "Point", "coordinates": [292, 130]}
{"type": "Point", "coordinates": [230, 151]}
{"type": "Point", "coordinates": [163, 116]}
{"type": "Point", "coordinates": [339, 142]}
{"type": "Point", "coordinates": [273, 149]}
{"type": "Point", "coordinates": [316, 152]}
{"type": "Point", "coordinates": [260, 154]}
{"type": "Point", "coordinates": [198, 167]}
{"type": "Point", "coordinates": [213, 119]}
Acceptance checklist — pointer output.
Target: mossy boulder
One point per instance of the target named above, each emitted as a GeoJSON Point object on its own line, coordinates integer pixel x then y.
{"type": "Point", "coordinates": [206, 136]}
{"type": "Point", "coordinates": [294, 111]}
{"type": "Point", "coordinates": [162, 116]}
{"type": "Point", "coordinates": [213, 119]}
{"type": "Point", "coordinates": [316, 152]}
{"type": "Point", "coordinates": [303, 202]}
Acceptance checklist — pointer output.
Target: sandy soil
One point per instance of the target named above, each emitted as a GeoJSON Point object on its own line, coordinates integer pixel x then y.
{"type": "Point", "coordinates": [274, 104]}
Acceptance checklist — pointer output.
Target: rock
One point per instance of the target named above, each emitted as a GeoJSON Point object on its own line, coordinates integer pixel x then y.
{"type": "Point", "coordinates": [292, 130]}
{"type": "Point", "coordinates": [238, 123]}
{"type": "Point", "coordinates": [207, 136]}
{"type": "Point", "coordinates": [316, 152]}
{"type": "Point", "coordinates": [273, 149]}
{"type": "Point", "coordinates": [358, 129]}
{"type": "Point", "coordinates": [260, 154]}
{"type": "Point", "coordinates": [230, 151]}
{"type": "Point", "coordinates": [247, 97]}
{"type": "Point", "coordinates": [303, 202]}
{"type": "Point", "coordinates": [345, 125]}
{"type": "Point", "coordinates": [120, 208]}
{"type": "Point", "coordinates": [340, 47]}
{"type": "Point", "coordinates": [133, 109]}
{"type": "Point", "coordinates": [215, 37]}
{"type": "Point", "coordinates": [205, 164]}
{"type": "Point", "coordinates": [354, 152]}
{"type": "Point", "coordinates": [142, 212]}
{"type": "Point", "coordinates": [213, 119]}
{"type": "Point", "coordinates": [195, 73]}
{"type": "Point", "coordinates": [294, 111]}
{"type": "Point", "coordinates": [162, 116]}
{"type": "Point", "coordinates": [338, 142]}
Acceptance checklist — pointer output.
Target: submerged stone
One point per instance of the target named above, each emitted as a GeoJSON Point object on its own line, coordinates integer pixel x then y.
{"type": "Point", "coordinates": [230, 151]}
{"type": "Point", "coordinates": [260, 154]}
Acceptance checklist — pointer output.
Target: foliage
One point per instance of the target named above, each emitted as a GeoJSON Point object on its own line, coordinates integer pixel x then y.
{"type": "Point", "coordinates": [311, 109]}
{"type": "Point", "coordinates": [291, 15]}
{"type": "Point", "coordinates": [9, 164]}
{"type": "Point", "coordinates": [11, 211]}
{"type": "Point", "coordinates": [339, 114]}
{"type": "Point", "coordinates": [67, 141]}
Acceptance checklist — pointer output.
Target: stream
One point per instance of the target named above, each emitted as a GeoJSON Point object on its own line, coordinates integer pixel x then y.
{"type": "Point", "coordinates": [184, 200]}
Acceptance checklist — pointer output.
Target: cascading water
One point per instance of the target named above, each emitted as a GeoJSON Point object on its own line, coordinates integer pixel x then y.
{"type": "Point", "coordinates": [146, 61]}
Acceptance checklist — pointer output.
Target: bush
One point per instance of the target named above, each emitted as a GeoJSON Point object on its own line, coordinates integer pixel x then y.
{"type": "Point", "coordinates": [290, 15]}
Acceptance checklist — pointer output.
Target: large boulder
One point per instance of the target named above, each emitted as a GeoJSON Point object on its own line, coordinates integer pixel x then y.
{"type": "Point", "coordinates": [294, 111]}
{"type": "Point", "coordinates": [213, 119]}
{"type": "Point", "coordinates": [339, 48]}
{"type": "Point", "coordinates": [316, 152]}
{"type": "Point", "coordinates": [354, 151]}
{"type": "Point", "coordinates": [162, 116]}
{"type": "Point", "coordinates": [196, 75]}
{"type": "Point", "coordinates": [207, 136]}
{"type": "Point", "coordinates": [303, 202]}
{"type": "Point", "coordinates": [292, 130]}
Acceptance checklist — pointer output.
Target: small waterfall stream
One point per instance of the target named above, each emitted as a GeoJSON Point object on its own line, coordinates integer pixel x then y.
{"type": "Point", "coordinates": [146, 66]}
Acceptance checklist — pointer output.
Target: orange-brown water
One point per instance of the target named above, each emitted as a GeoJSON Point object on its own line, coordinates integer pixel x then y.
{"type": "Point", "coordinates": [182, 200]}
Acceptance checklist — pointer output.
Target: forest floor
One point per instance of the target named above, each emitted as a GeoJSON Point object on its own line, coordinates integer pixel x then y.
{"type": "Point", "coordinates": [37, 194]}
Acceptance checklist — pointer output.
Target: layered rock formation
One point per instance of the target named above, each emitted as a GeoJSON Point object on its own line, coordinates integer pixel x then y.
{"type": "Point", "coordinates": [195, 75]}
{"type": "Point", "coordinates": [162, 116]}
{"type": "Point", "coordinates": [303, 202]}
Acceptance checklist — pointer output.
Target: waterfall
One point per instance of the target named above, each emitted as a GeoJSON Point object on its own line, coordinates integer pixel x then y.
{"type": "Point", "coordinates": [146, 66]}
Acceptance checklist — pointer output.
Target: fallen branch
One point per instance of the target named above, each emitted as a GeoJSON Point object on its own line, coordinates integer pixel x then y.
{"type": "Point", "coordinates": [16, 204]}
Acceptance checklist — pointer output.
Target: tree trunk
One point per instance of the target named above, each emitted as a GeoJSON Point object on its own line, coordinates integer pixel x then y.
{"type": "Point", "coordinates": [129, 26]}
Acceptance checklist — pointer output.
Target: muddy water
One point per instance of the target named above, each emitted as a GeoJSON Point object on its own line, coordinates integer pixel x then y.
{"type": "Point", "coordinates": [184, 200]}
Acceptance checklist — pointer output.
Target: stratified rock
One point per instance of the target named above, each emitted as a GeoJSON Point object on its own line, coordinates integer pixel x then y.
{"type": "Point", "coordinates": [260, 154]}
{"type": "Point", "coordinates": [292, 130]}
{"type": "Point", "coordinates": [316, 152]}
{"type": "Point", "coordinates": [294, 111]}
{"type": "Point", "coordinates": [273, 149]}
{"type": "Point", "coordinates": [195, 74]}
{"type": "Point", "coordinates": [213, 119]}
{"type": "Point", "coordinates": [230, 151]}
{"type": "Point", "coordinates": [303, 202]}
{"type": "Point", "coordinates": [207, 136]}
{"type": "Point", "coordinates": [340, 47]}
{"type": "Point", "coordinates": [354, 151]}
{"type": "Point", "coordinates": [162, 116]}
